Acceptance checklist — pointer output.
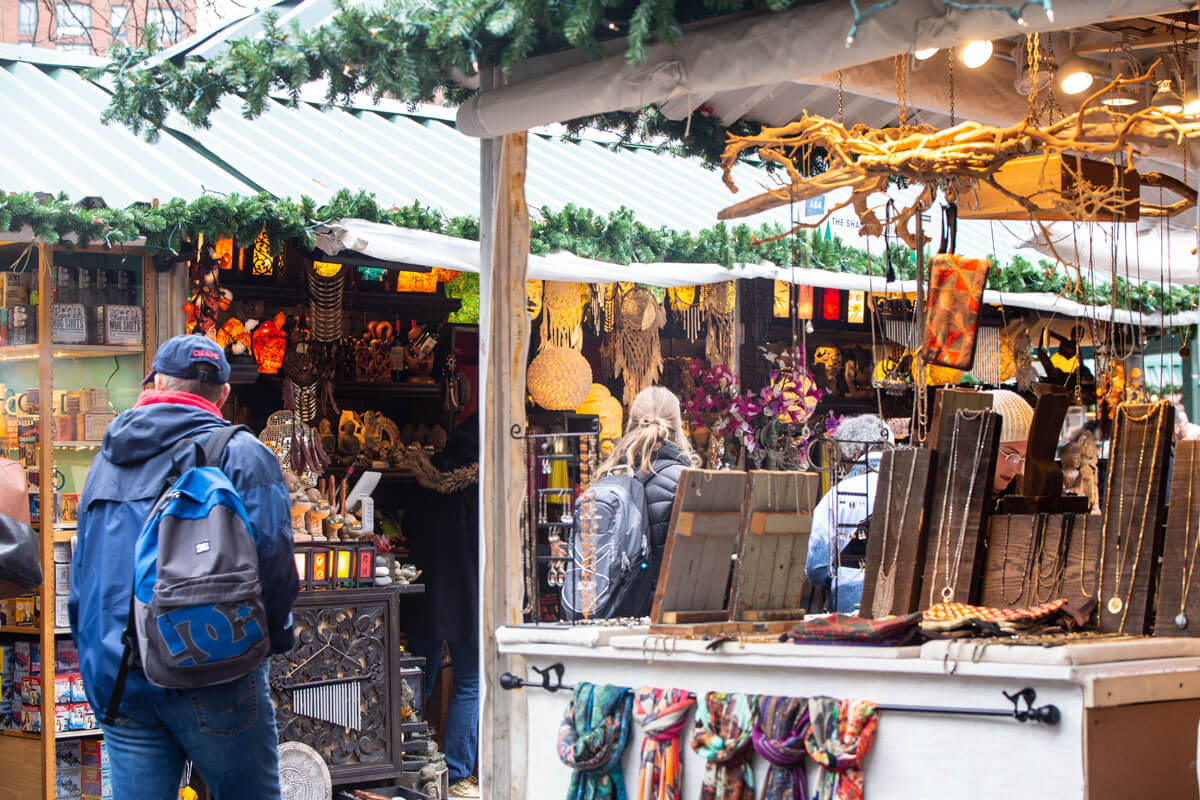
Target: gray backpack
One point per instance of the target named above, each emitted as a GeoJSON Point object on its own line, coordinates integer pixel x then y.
{"type": "Point", "coordinates": [196, 615]}
{"type": "Point", "coordinates": [609, 575]}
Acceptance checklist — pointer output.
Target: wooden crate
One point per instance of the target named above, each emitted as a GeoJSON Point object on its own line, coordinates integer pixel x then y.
{"type": "Point", "coordinates": [706, 521]}
{"type": "Point", "coordinates": [906, 531]}
{"type": "Point", "coordinates": [954, 546]}
{"type": "Point", "coordinates": [769, 583]}
{"type": "Point", "coordinates": [1134, 512]}
{"type": "Point", "coordinates": [1046, 179]}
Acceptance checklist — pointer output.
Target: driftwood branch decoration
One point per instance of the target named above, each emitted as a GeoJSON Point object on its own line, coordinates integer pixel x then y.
{"type": "Point", "coordinates": [966, 156]}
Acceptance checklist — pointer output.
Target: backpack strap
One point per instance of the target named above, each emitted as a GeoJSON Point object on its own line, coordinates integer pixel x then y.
{"type": "Point", "coordinates": [218, 441]}
{"type": "Point", "coordinates": [211, 455]}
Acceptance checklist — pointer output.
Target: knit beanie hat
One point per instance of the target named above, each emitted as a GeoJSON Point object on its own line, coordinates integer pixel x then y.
{"type": "Point", "coordinates": [1016, 415]}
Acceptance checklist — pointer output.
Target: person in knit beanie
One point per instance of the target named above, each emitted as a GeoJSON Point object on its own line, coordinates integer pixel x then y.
{"type": "Point", "coordinates": [1015, 418]}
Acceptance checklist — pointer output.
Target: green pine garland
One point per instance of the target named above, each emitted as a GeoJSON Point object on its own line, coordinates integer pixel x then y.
{"type": "Point", "coordinates": [617, 237]}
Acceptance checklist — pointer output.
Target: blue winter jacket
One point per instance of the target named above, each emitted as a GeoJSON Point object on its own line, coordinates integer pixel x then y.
{"type": "Point", "coordinates": [121, 486]}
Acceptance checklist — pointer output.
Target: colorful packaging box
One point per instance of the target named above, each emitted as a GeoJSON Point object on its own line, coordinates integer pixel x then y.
{"type": "Point", "coordinates": [67, 784]}
{"type": "Point", "coordinates": [31, 690]}
{"type": "Point", "coordinates": [28, 657]}
{"type": "Point", "coordinates": [66, 657]}
{"type": "Point", "coordinates": [31, 718]}
{"type": "Point", "coordinates": [82, 718]}
{"type": "Point", "coordinates": [92, 782]}
{"type": "Point", "coordinates": [62, 717]}
{"type": "Point", "coordinates": [24, 611]}
{"type": "Point", "coordinates": [78, 693]}
{"type": "Point", "coordinates": [94, 753]}
{"type": "Point", "coordinates": [62, 688]}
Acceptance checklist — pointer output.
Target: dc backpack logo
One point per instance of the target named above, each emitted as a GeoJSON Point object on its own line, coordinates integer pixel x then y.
{"type": "Point", "coordinates": [199, 635]}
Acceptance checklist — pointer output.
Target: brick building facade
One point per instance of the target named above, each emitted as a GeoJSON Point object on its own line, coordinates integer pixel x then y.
{"type": "Point", "coordinates": [91, 26]}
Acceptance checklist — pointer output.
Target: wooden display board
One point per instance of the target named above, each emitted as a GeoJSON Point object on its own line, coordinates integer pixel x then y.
{"type": "Point", "coordinates": [769, 582]}
{"type": "Point", "coordinates": [898, 535]}
{"type": "Point", "coordinates": [706, 521]}
{"type": "Point", "coordinates": [1177, 590]}
{"type": "Point", "coordinates": [949, 400]}
{"type": "Point", "coordinates": [962, 493]}
{"type": "Point", "coordinates": [1035, 558]}
{"type": "Point", "coordinates": [1134, 512]}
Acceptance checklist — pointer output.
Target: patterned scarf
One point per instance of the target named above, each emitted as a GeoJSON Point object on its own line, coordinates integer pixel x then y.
{"type": "Point", "coordinates": [592, 736]}
{"type": "Point", "coordinates": [840, 738]}
{"type": "Point", "coordinates": [662, 713]}
{"type": "Point", "coordinates": [779, 734]}
{"type": "Point", "coordinates": [722, 737]}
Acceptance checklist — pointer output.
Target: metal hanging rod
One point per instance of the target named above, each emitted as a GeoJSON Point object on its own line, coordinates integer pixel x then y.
{"type": "Point", "coordinates": [1023, 708]}
{"type": "Point", "coordinates": [517, 432]}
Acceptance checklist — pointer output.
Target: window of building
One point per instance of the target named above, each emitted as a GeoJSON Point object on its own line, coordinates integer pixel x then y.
{"type": "Point", "coordinates": [118, 17]}
{"type": "Point", "coordinates": [74, 47]}
{"type": "Point", "coordinates": [27, 18]}
{"type": "Point", "coordinates": [166, 22]}
{"type": "Point", "coordinates": [72, 19]}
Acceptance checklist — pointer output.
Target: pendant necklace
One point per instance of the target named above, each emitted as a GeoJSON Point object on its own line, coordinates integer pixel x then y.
{"type": "Point", "coordinates": [885, 585]}
{"type": "Point", "coordinates": [1189, 565]}
{"type": "Point", "coordinates": [952, 574]}
{"type": "Point", "coordinates": [1117, 605]}
{"type": "Point", "coordinates": [1012, 602]}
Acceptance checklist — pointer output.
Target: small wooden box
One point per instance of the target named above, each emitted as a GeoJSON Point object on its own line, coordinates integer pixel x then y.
{"type": "Point", "coordinates": [1046, 179]}
{"type": "Point", "coordinates": [90, 426]}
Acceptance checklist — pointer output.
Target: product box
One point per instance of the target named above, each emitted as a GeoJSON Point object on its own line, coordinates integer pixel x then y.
{"type": "Point", "coordinates": [14, 289]}
{"type": "Point", "coordinates": [91, 782]}
{"type": "Point", "coordinates": [82, 717]}
{"type": "Point", "coordinates": [62, 717]}
{"type": "Point", "coordinates": [62, 609]}
{"type": "Point", "coordinates": [68, 754]}
{"type": "Point", "coordinates": [95, 399]}
{"type": "Point", "coordinates": [31, 718]}
{"type": "Point", "coordinates": [68, 785]}
{"type": "Point", "coordinates": [31, 689]}
{"type": "Point", "coordinates": [62, 688]}
{"type": "Point", "coordinates": [62, 552]}
{"type": "Point", "coordinates": [119, 324]}
{"type": "Point", "coordinates": [62, 579]}
{"type": "Point", "coordinates": [24, 611]}
{"type": "Point", "coordinates": [78, 693]}
{"type": "Point", "coordinates": [90, 425]}
{"type": "Point", "coordinates": [66, 657]}
{"type": "Point", "coordinates": [94, 753]}
{"type": "Point", "coordinates": [28, 657]}
{"type": "Point", "coordinates": [64, 428]}
{"type": "Point", "coordinates": [68, 323]}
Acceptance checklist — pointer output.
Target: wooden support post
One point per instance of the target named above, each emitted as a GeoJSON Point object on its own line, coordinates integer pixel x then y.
{"type": "Point", "coordinates": [46, 501]}
{"type": "Point", "coordinates": [504, 336]}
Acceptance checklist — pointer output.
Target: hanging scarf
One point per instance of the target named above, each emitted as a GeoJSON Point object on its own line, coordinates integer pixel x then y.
{"type": "Point", "coordinates": [779, 734]}
{"type": "Point", "coordinates": [952, 309]}
{"type": "Point", "coordinates": [591, 739]}
{"type": "Point", "coordinates": [841, 735]}
{"type": "Point", "coordinates": [722, 736]}
{"type": "Point", "coordinates": [662, 713]}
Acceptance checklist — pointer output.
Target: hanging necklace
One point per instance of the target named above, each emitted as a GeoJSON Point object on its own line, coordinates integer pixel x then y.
{"type": "Point", "coordinates": [952, 568]}
{"type": "Point", "coordinates": [1189, 565]}
{"type": "Point", "coordinates": [1117, 605]}
{"type": "Point", "coordinates": [1050, 578]}
{"type": "Point", "coordinates": [1026, 568]}
{"type": "Point", "coordinates": [885, 586]}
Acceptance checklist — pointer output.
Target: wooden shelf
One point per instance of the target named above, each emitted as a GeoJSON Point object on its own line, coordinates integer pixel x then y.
{"type": "Point", "coordinates": [27, 630]}
{"type": "Point", "coordinates": [77, 445]}
{"type": "Point", "coordinates": [79, 734]}
{"type": "Point", "coordinates": [20, 734]}
{"type": "Point", "coordinates": [29, 352]}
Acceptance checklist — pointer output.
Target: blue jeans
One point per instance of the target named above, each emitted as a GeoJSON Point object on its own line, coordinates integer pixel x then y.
{"type": "Point", "coordinates": [460, 738]}
{"type": "Point", "coordinates": [228, 731]}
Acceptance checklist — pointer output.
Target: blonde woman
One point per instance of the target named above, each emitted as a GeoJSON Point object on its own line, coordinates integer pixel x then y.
{"type": "Point", "coordinates": [655, 451]}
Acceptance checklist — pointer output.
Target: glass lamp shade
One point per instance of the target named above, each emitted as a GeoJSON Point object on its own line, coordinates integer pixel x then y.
{"type": "Point", "coordinates": [856, 306]}
{"type": "Point", "coordinates": [420, 282]}
{"type": "Point", "coordinates": [559, 379]}
{"type": "Point", "coordinates": [830, 304]}
{"type": "Point", "coordinates": [783, 300]}
{"type": "Point", "coordinates": [804, 302]}
{"type": "Point", "coordinates": [444, 275]}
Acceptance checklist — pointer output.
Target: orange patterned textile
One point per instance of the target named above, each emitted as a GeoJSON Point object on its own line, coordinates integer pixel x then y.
{"type": "Point", "coordinates": [952, 309]}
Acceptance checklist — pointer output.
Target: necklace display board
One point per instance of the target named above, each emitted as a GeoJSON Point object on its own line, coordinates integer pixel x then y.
{"type": "Point", "coordinates": [1134, 510]}
{"type": "Point", "coordinates": [702, 538]}
{"type": "Point", "coordinates": [1178, 599]}
{"type": "Point", "coordinates": [770, 582]}
{"type": "Point", "coordinates": [896, 543]}
{"type": "Point", "coordinates": [947, 401]}
{"type": "Point", "coordinates": [1030, 558]}
{"type": "Point", "coordinates": [967, 450]}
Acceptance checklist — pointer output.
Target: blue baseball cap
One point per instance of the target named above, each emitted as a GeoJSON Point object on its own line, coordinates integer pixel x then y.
{"type": "Point", "coordinates": [193, 357]}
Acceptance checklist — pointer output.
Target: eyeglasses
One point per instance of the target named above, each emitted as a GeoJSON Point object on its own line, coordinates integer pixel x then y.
{"type": "Point", "coordinates": [1012, 456]}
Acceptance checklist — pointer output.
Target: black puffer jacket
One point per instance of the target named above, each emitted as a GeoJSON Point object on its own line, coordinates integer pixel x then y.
{"type": "Point", "coordinates": [660, 485]}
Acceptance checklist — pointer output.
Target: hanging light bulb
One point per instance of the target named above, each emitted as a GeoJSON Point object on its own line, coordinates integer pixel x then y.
{"type": "Point", "coordinates": [1191, 103]}
{"type": "Point", "coordinates": [1166, 98]}
{"type": "Point", "coordinates": [1075, 75]}
{"type": "Point", "coordinates": [925, 53]}
{"type": "Point", "coordinates": [1024, 83]}
{"type": "Point", "coordinates": [976, 53]}
{"type": "Point", "coordinates": [1125, 65]}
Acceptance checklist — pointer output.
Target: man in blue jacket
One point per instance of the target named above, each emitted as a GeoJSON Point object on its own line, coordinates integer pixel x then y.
{"type": "Point", "coordinates": [228, 731]}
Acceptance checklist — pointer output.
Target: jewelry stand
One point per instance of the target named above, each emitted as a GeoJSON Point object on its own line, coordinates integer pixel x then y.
{"type": "Point", "coordinates": [769, 576]}
{"type": "Point", "coordinates": [702, 539]}
{"type": "Point", "coordinates": [1029, 560]}
{"type": "Point", "coordinates": [1083, 561]}
{"type": "Point", "coordinates": [962, 494]}
{"type": "Point", "coordinates": [1134, 512]}
{"type": "Point", "coordinates": [1040, 488]}
{"type": "Point", "coordinates": [896, 543]}
{"type": "Point", "coordinates": [1178, 598]}
{"type": "Point", "coordinates": [947, 401]}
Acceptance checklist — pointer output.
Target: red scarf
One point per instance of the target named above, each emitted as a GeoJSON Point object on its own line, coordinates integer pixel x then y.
{"type": "Point", "coordinates": [153, 396]}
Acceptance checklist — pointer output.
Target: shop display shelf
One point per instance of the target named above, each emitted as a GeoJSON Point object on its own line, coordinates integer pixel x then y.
{"type": "Point", "coordinates": [81, 445]}
{"type": "Point", "coordinates": [29, 352]}
{"type": "Point", "coordinates": [20, 734]}
{"type": "Point", "coordinates": [79, 734]}
{"type": "Point", "coordinates": [27, 630]}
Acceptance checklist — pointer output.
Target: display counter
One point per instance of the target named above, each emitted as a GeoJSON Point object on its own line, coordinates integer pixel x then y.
{"type": "Point", "coordinates": [1129, 709]}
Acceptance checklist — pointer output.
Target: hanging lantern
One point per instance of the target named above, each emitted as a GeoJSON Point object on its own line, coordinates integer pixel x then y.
{"type": "Point", "coordinates": [417, 282]}
{"type": "Point", "coordinates": [559, 379]}
{"type": "Point", "coordinates": [444, 275]}
{"type": "Point", "coordinates": [262, 260]}
{"type": "Point", "coordinates": [326, 269]}
{"type": "Point", "coordinates": [270, 344]}
{"type": "Point", "coordinates": [830, 358]}
{"type": "Point", "coordinates": [223, 253]}
{"type": "Point", "coordinates": [856, 306]}
{"type": "Point", "coordinates": [533, 298]}
{"type": "Point", "coordinates": [602, 404]}
{"type": "Point", "coordinates": [804, 302]}
{"type": "Point", "coordinates": [830, 304]}
{"type": "Point", "coordinates": [783, 300]}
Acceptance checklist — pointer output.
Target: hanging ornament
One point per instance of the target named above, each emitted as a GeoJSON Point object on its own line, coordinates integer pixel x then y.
{"type": "Point", "coordinates": [533, 298]}
{"type": "Point", "coordinates": [993, 357]}
{"type": "Point", "coordinates": [326, 288]}
{"type": "Point", "coordinates": [596, 302]}
{"type": "Point", "coordinates": [637, 353]}
{"type": "Point", "coordinates": [610, 306]}
{"type": "Point", "coordinates": [445, 275]}
{"type": "Point", "coordinates": [691, 313]}
{"type": "Point", "coordinates": [562, 320]}
{"type": "Point", "coordinates": [659, 294]}
{"type": "Point", "coordinates": [719, 302]}
{"type": "Point", "coordinates": [559, 379]}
